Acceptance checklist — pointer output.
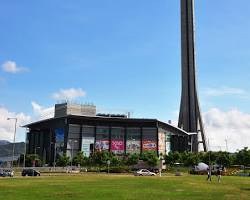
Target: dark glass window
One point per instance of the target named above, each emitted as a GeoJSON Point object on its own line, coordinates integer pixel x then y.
{"type": "Point", "coordinates": [117, 133]}
{"type": "Point", "coordinates": [102, 133]}
{"type": "Point", "coordinates": [88, 131]}
{"type": "Point", "coordinates": [149, 134]}
{"type": "Point", "coordinates": [133, 134]}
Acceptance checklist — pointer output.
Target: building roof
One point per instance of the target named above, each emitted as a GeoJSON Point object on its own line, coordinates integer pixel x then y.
{"type": "Point", "coordinates": [140, 121]}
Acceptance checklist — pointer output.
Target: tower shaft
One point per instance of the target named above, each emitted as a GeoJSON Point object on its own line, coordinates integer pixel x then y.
{"type": "Point", "coordinates": [190, 118]}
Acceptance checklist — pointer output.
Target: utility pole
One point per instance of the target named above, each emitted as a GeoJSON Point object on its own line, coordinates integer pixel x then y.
{"type": "Point", "coordinates": [226, 145]}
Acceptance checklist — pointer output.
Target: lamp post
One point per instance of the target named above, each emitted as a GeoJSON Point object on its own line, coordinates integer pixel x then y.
{"type": "Point", "coordinates": [14, 139]}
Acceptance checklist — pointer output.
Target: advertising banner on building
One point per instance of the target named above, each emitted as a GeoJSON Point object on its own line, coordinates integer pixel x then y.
{"type": "Point", "coordinates": [133, 146]}
{"type": "Point", "coordinates": [148, 145]}
{"type": "Point", "coordinates": [168, 143]}
{"type": "Point", "coordinates": [117, 146]}
{"type": "Point", "coordinates": [87, 142]}
{"type": "Point", "coordinates": [162, 143]}
{"type": "Point", "coordinates": [102, 145]}
{"type": "Point", "coordinates": [168, 147]}
{"type": "Point", "coordinates": [59, 133]}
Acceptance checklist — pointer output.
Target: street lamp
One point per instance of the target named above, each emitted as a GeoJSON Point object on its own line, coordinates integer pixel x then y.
{"type": "Point", "coordinates": [14, 139]}
{"type": "Point", "coordinates": [71, 142]}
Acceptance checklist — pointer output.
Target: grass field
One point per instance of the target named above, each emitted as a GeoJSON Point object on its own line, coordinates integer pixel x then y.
{"type": "Point", "coordinates": [121, 187]}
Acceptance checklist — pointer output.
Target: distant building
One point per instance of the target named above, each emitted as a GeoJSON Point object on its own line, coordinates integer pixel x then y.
{"type": "Point", "coordinates": [5, 161]}
{"type": "Point", "coordinates": [81, 129]}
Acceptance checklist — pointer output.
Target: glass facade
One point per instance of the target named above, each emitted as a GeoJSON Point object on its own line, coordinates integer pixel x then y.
{"type": "Point", "coordinates": [133, 143]}
{"type": "Point", "coordinates": [117, 140]}
{"type": "Point", "coordinates": [73, 140]}
{"type": "Point", "coordinates": [102, 139]}
{"type": "Point", "coordinates": [88, 140]}
{"type": "Point", "coordinates": [59, 135]}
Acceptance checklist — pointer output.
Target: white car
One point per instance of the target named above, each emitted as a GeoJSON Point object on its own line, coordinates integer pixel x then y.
{"type": "Point", "coordinates": [144, 172]}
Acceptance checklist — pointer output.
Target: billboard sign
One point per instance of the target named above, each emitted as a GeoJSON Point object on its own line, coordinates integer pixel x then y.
{"type": "Point", "coordinates": [102, 145]}
{"type": "Point", "coordinates": [162, 143]}
{"type": "Point", "coordinates": [86, 143]}
{"type": "Point", "coordinates": [133, 146]}
{"type": "Point", "coordinates": [148, 145]}
{"type": "Point", "coordinates": [117, 146]}
{"type": "Point", "coordinates": [168, 143]}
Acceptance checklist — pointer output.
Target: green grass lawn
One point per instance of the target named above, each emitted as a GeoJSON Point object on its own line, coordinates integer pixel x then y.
{"type": "Point", "coordinates": [119, 187]}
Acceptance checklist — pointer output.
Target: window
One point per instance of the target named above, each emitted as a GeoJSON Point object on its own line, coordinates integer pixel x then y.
{"type": "Point", "coordinates": [88, 131]}
{"type": "Point", "coordinates": [73, 140]}
{"type": "Point", "coordinates": [117, 140]}
{"type": "Point", "coordinates": [102, 139]}
{"type": "Point", "coordinates": [133, 144]}
{"type": "Point", "coordinates": [149, 139]}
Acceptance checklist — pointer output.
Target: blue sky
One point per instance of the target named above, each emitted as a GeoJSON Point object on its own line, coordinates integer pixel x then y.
{"type": "Point", "coordinates": [123, 55]}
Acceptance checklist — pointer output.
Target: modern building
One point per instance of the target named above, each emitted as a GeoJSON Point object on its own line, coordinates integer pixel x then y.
{"type": "Point", "coordinates": [70, 133]}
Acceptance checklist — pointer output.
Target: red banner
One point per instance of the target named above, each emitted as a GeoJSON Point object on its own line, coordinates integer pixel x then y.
{"type": "Point", "coordinates": [148, 145]}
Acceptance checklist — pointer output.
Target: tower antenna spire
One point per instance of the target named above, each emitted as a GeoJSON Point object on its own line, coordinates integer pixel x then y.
{"type": "Point", "coordinates": [190, 118]}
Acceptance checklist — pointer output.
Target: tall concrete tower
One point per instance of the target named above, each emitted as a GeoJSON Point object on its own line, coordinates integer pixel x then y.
{"type": "Point", "coordinates": [190, 118]}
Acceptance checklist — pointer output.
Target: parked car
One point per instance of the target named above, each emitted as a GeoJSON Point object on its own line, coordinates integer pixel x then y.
{"type": "Point", "coordinates": [6, 172]}
{"type": "Point", "coordinates": [144, 172]}
{"type": "Point", "coordinates": [30, 172]}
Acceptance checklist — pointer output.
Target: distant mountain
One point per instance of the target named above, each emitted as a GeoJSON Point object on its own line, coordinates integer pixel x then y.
{"type": "Point", "coordinates": [4, 142]}
{"type": "Point", "coordinates": [6, 150]}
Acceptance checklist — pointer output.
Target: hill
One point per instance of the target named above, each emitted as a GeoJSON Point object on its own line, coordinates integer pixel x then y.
{"type": "Point", "coordinates": [6, 149]}
{"type": "Point", "coordinates": [4, 142]}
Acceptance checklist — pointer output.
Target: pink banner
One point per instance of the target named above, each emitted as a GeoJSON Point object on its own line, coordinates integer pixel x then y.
{"type": "Point", "coordinates": [117, 145]}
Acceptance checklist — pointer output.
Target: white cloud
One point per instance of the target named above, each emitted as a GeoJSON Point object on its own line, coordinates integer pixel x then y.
{"type": "Point", "coordinates": [11, 67]}
{"type": "Point", "coordinates": [7, 127]}
{"type": "Point", "coordinates": [41, 112]}
{"type": "Point", "coordinates": [69, 94]}
{"type": "Point", "coordinates": [233, 126]}
{"type": "Point", "coordinates": [222, 91]}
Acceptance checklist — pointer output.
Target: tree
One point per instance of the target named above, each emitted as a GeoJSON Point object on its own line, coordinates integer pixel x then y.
{"type": "Point", "coordinates": [63, 160]}
{"type": "Point", "coordinates": [150, 157]}
{"type": "Point", "coordinates": [243, 157]}
{"type": "Point", "coordinates": [115, 161]}
{"type": "Point", "coordinates": [173, 157]}
{"type": "Point", "coordinates": [190, 159]}
{"type": "Point", "coordinates": [31, 159]}
{"type": "Point", "coordinates": [79, 159]}
{"type": "Point", "coordinates": [224, 158]}
{"type": "Point", "coordinates": [100, 158]}
{"type": "Point", "coordinates": [133, 159]}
